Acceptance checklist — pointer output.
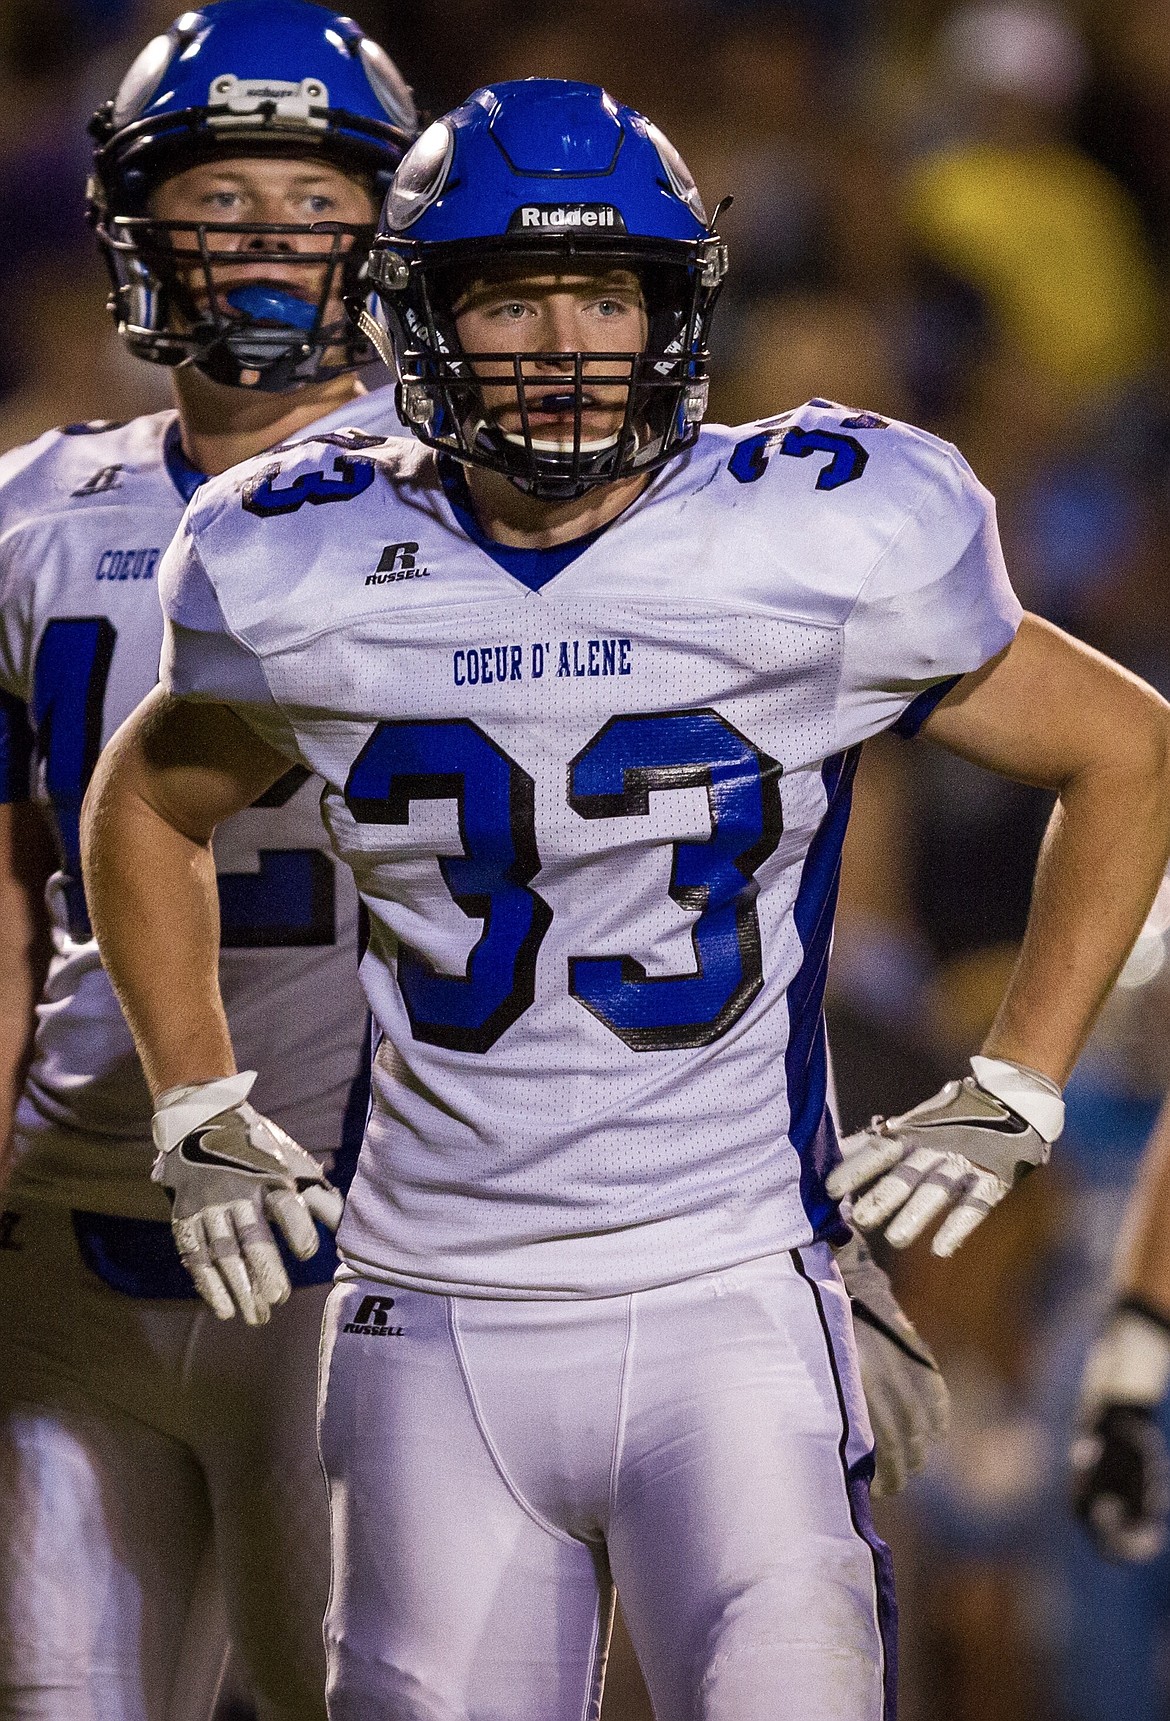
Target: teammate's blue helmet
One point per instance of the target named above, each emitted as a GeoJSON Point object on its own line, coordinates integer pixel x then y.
{"type": "Point", "coordinates": [244, 77]}
{"type": "Point", "coordinates": [536, 173]}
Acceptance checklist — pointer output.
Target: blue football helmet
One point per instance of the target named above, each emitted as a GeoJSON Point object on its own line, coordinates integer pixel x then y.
{"type": "Point", "coordinates": [244, 77]}
{"type": "Point", "coordinates": [539, 172]}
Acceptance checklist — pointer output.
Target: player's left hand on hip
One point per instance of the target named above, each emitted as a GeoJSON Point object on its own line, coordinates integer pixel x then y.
{"type": "Point", "coordinates": [231, 1174]}
{"type": "Point", "coordinates": [1120, 1469]}
{"type": "Point", "coordinates": [958, 1153]}
{"type": "Point", "coordinates": [909, 1406]}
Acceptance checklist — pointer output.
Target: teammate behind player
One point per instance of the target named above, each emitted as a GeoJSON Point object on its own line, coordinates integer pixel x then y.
{"type": "Point", "coordinates": [135, 1430]}
{"type": "Point", "coordinates": [591, 769]}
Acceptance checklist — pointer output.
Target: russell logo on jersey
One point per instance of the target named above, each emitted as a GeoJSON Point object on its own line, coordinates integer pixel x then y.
{"type": "Point", "coordinates": [397, 562]}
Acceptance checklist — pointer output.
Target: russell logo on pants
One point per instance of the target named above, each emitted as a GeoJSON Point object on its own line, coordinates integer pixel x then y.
{"type": "Point", "coordinates": [372, 1319]}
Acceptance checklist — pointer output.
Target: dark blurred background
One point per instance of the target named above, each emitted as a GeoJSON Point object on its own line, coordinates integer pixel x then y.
{"type": "Point", "coordinates": [954, 215]}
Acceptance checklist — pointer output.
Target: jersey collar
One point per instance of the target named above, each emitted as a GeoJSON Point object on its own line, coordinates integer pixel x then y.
{"type": "Point", "coordinates": [533, 568]}
{"type": "Point", "coordinates": [185, 477]}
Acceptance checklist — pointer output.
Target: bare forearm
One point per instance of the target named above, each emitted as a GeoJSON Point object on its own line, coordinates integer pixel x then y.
{"type": "Point", "coordinates": [1104, 854]}
{"type": "Point", "coordinates": [155, 911]}
{"type": "Point", "coordinates": [1052, 712]}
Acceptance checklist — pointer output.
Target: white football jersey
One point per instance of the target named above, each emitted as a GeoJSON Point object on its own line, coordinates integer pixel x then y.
{"type": "Point", "coordinates": [85, 516]}
{"type": "Point", "coordinates": [594, 800]}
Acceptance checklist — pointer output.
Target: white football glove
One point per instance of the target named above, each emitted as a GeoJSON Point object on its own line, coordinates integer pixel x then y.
{"type": "Point", "coordinates": [1120, 1467]}
{"type": "Point", "coordinates": [229, 1172]}
{"type": "Point", "coordinates": [909, 1405]}
{"type": "Point", "coordinates": [963, 1149]}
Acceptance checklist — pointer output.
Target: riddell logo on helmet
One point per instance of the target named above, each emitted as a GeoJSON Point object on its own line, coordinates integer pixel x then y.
{"type": "Point", "coordinates": [593, 216]}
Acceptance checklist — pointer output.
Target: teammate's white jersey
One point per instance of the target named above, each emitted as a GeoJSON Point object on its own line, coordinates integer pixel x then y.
{"type": "Point", "coordinates": [85, 515]}
{"type": "Point", "coordinates": [594, 800]}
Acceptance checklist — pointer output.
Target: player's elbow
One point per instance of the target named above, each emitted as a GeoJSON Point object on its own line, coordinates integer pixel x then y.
{"type": "Point", "coordinates": [1125, 766]}
{"type": "Point", "coordinates": [1140, 744]}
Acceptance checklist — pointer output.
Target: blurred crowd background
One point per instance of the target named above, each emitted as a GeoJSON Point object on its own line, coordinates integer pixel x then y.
{"type": "Point", "coordinates": [954, 215]}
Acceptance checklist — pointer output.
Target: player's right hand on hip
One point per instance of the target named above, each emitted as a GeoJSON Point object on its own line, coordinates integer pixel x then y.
{"type": "Point", "coordinates": [1120, 1470]}
{"type": "Point", "coordinates": [957, 1153]}
{"type": "Point", "coordinates": [230, 1175]}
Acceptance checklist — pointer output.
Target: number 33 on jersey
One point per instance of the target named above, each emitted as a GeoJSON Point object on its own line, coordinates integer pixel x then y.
{"type": "Point", "coordinates": [594, 799]}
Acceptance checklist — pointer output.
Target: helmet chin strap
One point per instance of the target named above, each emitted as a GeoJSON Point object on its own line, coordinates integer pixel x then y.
{"type": "Point", "coordinates": [552, 402]}
{"type": "Point", "coordinates": [550, 486]}
{"type": "Point", "coordinates": [561, 444]}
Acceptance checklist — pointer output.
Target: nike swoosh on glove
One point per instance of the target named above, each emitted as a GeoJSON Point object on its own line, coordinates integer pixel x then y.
{"type": "Point", "coordinates": [231, 1174]}
{"type": "Point", "coordinates": [909, 1405]}
{"type": "Point", "coordinates": [1120, 1469]}
{"type": "Point", "coordinates": [962, 1150]}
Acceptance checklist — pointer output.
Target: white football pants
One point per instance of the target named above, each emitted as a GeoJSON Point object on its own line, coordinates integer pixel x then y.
{"type": "Point", "coordinates": [496, 1466]}
{"type": "Point", "coordinates": [139, 1438]}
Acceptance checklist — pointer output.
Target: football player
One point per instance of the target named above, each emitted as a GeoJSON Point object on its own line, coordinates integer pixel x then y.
{"type": "Point", "coordinates": [1120, 1466]}
{"type": "Point", "coordinates": [586, 684]}
{"type": "Point", "coordinates": [136, 1430]}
